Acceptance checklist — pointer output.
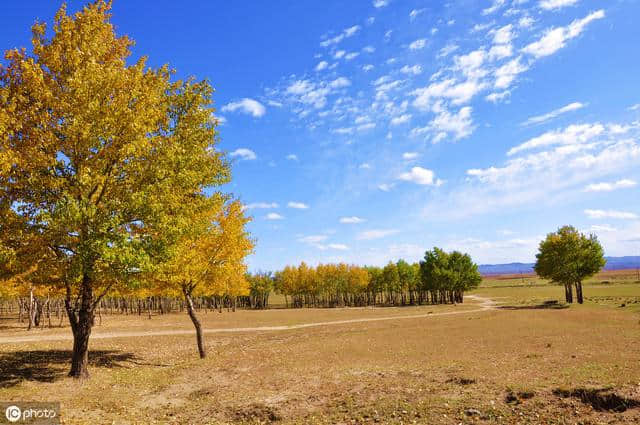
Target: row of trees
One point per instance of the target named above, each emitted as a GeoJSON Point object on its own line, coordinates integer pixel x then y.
{"type": "Point", "coordinates": [440, 278]}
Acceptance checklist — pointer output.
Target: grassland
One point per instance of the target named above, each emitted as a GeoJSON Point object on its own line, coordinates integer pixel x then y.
{"type": "Point", "coordinates": [523, 361]}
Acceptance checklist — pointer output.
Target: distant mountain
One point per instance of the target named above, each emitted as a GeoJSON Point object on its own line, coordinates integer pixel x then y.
{"type": "Point", "coordinates": [613, 263]}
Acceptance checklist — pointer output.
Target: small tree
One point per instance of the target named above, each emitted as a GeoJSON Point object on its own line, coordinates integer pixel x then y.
{"type": "Point", "coordinates": [209, 258]}
{"type": "Point", "coordinates": [568, 257]}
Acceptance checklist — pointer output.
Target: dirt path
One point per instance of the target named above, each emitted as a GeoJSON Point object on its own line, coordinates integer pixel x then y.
{"type": "Point", "coordinates": [484, 304]}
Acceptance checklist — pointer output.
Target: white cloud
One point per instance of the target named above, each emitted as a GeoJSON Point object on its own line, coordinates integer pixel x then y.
{"type": "Point", "coordinates": [273, 216]}
{"type": "Point", "coordinates": [507, 73]}
{"type": "Point", "coordinates": [555, 38]}
{"type": "Point", "coordinates": [298, 205]}
{"type": "Point", "coordinates": [555, 113]}
{"type": "Point", "coordinates": [497, 4]}
{"type": "Point", "coordinates": [346, 33]}
{"type": "Point", "coordinates": [338, 246]}
{"type": "Point", "coordinates": [571, 135]}
{"type": "Point", "coordinates": [415, 13]}
{"type": "Point", "coordinates": [352, 220]}
{"type": "Point", "coordinates": [402, 119]}
{"type": "Point", "coordinates": [418, 44]}
{"type": "Point", "coordinates": [385, 187]}
{"type": "Point", "coordinates": [313, 239]}
{"type": "Point", "coordinates": [368, 49]}
{"type": "Point", "coordinates": [380, 3]}
{"type": "Point", "coordinates": [556, 4]}
{"type": "Point", "coordinates": [503, 35]}
{"type": "Point", "coordinates": [244, 154]}
{"type": "Point", "coordinates": [260, 205]}
{"type": "Point", "coordinates": [459, 124]}
{"type": "Point", "coordinates": [247, 106]}
{"type": "Point", "coordinates": [317, 242]}
{"type": "Point", "coordinates": [219, 119]}
{"type": "Point", "coordinates": [292, 157]}
{"type": "Point", "coordinates": [500, 51]}
{"type": "Point", "coordinates": [458, 93]}
{"type": "Point", "coordinates": [447, 50]}
{"type": "Point", "coordinates": [322, 65]}
{"type": "Point", "coordinates": [414, 70]}
{"type": "Point", "coordinates": [608, 187]}
{"type": "Point", "coordinates": [410, 155]}
{"type": "Point", "coordinates": [635, 107]}
{"type": "Point", "coordinates": [622, 215]}
{"type": "Point", "coordinates": [526, 22]}
{"type": "Point", "coordinates": [339, 83]}
{"type": "Point", "coordinates": [309, 93]}
{"type": "Point", "coordinates": [365, 166]}
{"type": "Point", "coordinates": [603, 228]}
{"type": "Point", "coordinates": [367, 68]}
{"type": "Point", "coordinates": [376, 234]}
{"type": "Point", "coordinates": [421, 176]}
{"type": "Point", "coordinates": [351, 55]}
{"type": "Point", "coordinates": [496, 97]}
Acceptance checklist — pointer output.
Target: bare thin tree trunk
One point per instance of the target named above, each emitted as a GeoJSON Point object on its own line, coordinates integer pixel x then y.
{"type": "Point", "coordinates": [187, 289]}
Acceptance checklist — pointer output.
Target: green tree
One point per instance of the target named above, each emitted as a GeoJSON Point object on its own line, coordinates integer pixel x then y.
{"type": "Point", "coordinates": [465, 275]}
{"type": "Point", "coordinates": [568, 257]}
{"type": "Point", "coordinates": [101, 162]}
{"type": "Point", "coordinates": [448, 275]}
{"type": "Point", "coordinates": [391, 282]}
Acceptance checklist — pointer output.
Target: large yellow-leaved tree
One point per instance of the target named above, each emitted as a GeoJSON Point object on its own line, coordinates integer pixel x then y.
{"type": "Point", "coordinates": [104, 162]}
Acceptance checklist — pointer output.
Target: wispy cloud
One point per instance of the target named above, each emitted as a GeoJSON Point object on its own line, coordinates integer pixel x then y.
{"type": "Point", "coordinates": [574, 106]}
{"type": "Point", "coordinates": [298, 205]}
{"type": "Point", "coordinates": [376, 234]}
{"type": "Point", "coordinates": [556, 4]}
{"type": "Point", "coordinates": [418, 44]}
{"type": "Point", "coordinates": [352, 220]}
{"type": "Point", "coordinates": [622, 215]}
{"type": "Point", "coordinates": [260, 205]}
{"type": "Point", "coordinates": [608, 187]}
{"type": "Point", "coordinates": [380, 3]}
{"type": "Point", "coordinates": [554, 39]}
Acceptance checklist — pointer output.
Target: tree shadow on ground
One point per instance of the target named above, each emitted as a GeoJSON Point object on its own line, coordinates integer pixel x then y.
{"type": "Point", "coordinates": [51, 365]}
{"type": "Point", "coordinates": [601, 399]}
{"type": "Point", "coordinates": [547, 305]}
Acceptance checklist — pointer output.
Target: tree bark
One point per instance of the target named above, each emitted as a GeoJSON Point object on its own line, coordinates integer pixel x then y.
{"type": "Point", "coordinates": [579, 292]}
{"type": "Point", "coordinates": [81, 320]}
{"type": "Point", "coordinates": [568, 293]}
{"type": "Point", "coordinates": [196, 323]}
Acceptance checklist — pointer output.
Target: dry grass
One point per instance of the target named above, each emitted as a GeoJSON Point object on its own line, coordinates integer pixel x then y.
{"type": "Point", "coordinates": [519, 365]}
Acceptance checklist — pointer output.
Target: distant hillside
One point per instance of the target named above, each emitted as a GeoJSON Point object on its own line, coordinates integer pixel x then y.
{"type": "Point", "coordinates": [613, 263]}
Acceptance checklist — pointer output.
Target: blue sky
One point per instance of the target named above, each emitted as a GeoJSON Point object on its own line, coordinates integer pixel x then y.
{"type": "Point", "coordinates": [364, 131]}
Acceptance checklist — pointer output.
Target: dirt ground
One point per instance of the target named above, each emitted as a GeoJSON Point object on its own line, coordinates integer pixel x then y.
{"type": "Point", "coordinates": [521, 362]}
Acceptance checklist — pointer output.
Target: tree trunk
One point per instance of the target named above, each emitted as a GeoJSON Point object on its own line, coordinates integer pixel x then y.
{"type": "Point", "coordinates": [579, 292]}
{"type": "Point", "coordinates": [81, 320]}
{"type": "Point", "coordinates": [568, 293]}
{"type": "Point", "coordinates": [196, 323]}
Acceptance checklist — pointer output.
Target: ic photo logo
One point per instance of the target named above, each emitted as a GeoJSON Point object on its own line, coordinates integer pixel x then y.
{"type": "Point", "coordinates": [30, 412]}
{"type": "Point", "coordinates": [13, 413]}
